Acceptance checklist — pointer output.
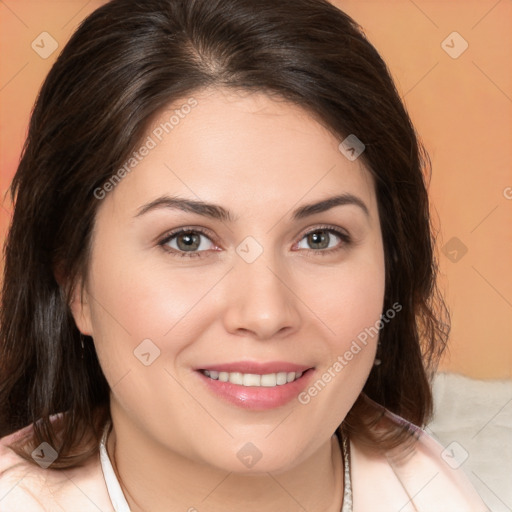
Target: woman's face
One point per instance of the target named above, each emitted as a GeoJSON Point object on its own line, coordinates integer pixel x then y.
{"type": "Point", "coordinates": [267, 288]}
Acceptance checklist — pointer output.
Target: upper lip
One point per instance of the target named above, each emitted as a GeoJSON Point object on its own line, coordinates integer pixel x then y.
{"type": "Point", "coordinates": [257, 368]}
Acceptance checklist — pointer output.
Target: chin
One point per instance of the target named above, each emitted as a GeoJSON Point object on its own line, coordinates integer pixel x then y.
{"type": "Point", "coordinates": [257, 457]}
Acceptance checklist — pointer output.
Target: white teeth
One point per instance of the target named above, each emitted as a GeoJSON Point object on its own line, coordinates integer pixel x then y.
{"type": "Point", "coordinates": [251, 379]}
{"type": "Point", "coordinates": [269, 380]}
{"type": "Point", "coordinates": [281, 378]}
{"type": "Point", "coordinates": [236, 378]}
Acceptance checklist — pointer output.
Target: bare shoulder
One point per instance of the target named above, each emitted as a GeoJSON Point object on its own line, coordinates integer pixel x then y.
{"type": "Point", "coordinates": [434, 479]}
{"type": "Point", "coordinates": [19, 480]}
{"type": "Point", "coordinates": [35, 487]}
{"type": "Point", "coordinates": [417, 475]}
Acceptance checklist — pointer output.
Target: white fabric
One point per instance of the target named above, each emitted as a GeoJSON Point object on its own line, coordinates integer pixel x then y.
{"type": "Point", "coordinates": [114, 489]}
{"type": "Point", "coordinates": [476, 416]}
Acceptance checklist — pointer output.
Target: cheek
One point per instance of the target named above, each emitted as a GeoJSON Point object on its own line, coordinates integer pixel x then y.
{"type": "Point", "coordinates": [350, 305]}
{"type": "Point", "coordinates": [350, 310]}
{"type": "Point", "coordinates": [134, 300]}
{"type": "Point", "coordinates": [358, 306]}
{"type": "Point", "coordinates": [349, 299]}
{"type": "Point", "coordinates": [144, 317]}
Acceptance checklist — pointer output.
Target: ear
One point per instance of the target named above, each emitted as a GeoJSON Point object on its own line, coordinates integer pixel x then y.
{"type": "Point", "coordinates": [79, 304]}
{"type": "Point", "coordinates": [81, 311]}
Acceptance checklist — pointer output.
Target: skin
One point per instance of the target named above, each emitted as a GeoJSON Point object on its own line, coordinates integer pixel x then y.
{"type": "Point", "coordinates": [174, 443]}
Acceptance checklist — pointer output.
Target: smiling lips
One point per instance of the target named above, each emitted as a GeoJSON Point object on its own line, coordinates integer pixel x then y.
{"type": "Point", "coordinates": [257, 386]}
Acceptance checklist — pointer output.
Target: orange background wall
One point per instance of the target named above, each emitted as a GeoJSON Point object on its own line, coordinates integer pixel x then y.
{"type": "Point", "coordinates": [460, 104]}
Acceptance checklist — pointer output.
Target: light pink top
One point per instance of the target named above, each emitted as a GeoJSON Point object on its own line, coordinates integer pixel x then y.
{"type": "Point", "coordinates": [420, 481]}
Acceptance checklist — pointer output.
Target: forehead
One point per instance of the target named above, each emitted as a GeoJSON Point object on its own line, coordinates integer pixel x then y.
{"type": "Point", "coordinates": [247, 150]}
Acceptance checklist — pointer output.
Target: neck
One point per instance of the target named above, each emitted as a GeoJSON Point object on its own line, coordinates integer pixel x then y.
{"type": "Point", "coordinates": [155, 479]}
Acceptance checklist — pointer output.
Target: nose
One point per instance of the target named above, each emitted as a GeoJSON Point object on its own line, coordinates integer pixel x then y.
{"type": "Point", "coordinates": [260, 301]}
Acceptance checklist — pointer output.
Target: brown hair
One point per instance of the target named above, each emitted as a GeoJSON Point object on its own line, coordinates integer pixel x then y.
{"type": "Point", "coordinates": [125, 63]}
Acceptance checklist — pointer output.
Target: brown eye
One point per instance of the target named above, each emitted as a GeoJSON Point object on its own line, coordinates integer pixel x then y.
{"type": "Point", "coordinates": [189, 242]}
{"type": "Point", "coordinates": [319, 239]}
{"type": "Point", "coordinates": [324, 239]}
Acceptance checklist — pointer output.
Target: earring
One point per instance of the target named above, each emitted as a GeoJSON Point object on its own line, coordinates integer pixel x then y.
{"type": "Point", "coordinates": [82, 344]}
{"type": "Point", "coordinates": [377, 361]}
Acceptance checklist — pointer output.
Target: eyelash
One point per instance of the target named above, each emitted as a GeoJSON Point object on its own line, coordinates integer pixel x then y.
{"type": "Point", "coordinates": [344, 237]}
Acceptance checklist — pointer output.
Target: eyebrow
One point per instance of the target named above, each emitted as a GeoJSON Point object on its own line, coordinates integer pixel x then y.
{"type": "Point", "coordinates": [218, 212]}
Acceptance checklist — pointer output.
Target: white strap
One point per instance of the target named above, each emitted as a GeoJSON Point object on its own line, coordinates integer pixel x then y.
{"type": "Point", "coordinates": [114, 489]}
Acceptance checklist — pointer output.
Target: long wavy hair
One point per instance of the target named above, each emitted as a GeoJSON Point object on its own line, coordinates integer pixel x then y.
{"type": "Point", "coordinates": [125, 63]}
